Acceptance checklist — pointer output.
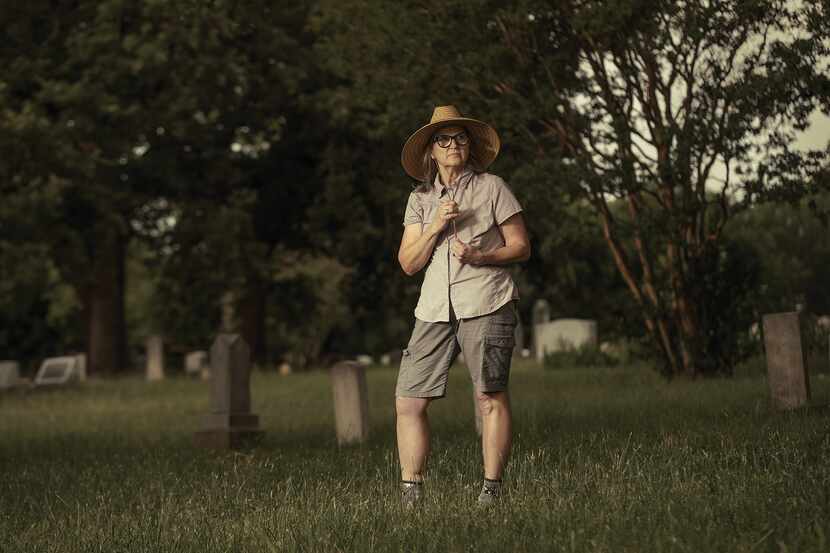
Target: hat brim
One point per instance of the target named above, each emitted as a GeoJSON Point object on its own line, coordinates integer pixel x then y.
{"type": "Point", "coordinates": [485, 144]}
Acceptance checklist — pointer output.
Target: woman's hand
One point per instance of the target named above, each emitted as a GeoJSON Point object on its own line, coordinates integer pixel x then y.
{"type": "Point", "coordinates": [466, 253]}
{"type": "Point", "coordinates": [447, 211]}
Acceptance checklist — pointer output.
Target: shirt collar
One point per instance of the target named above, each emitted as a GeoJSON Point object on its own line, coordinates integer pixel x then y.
{"type": "Point", "coordinates": [463, 180]}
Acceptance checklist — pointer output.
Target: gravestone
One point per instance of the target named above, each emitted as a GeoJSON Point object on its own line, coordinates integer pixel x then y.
{"type": "Point", "coordinates": [563, 334]}
{"type": "Point", "coordinates": [155, 358]}
{"type": "Point", "coordinates": [364, 359]}
{"type": "Point", "coordinates": [56, 371]}
{"type": "Point", "coordinates": [80, 366]}
{"type": "Point", "coordinates": [9, 374]}
{"type": "Point", "coordinates": [789, 384]}
{"type": "Point", "coordinates": [230, 423]}
{"type": "Point", "coordinates": [541, 312]}
{"type": "Point", "coordinates": [391, 358]}
{"type": "Point", "coordinates": [196, 364]}
{"type": "Point", "coordinates": [351, 402]}
{"type": "Point", "coordinates": [519, 335]}
{"type": "Point", "coordinates": [539, 315]}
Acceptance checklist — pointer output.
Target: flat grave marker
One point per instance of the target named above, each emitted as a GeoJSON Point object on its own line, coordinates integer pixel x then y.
{"type": "Point", "coordinates": [56, 371]}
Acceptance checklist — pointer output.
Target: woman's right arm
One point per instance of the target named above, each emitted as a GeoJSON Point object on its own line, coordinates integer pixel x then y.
{"type": "Point", "coordinates": [417, 243]}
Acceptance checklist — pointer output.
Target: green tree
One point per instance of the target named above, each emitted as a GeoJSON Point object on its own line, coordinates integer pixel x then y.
{"type": "Point", "coordinates": [121, 112]}
{"type": "Point", "coordinates": [686, 112]}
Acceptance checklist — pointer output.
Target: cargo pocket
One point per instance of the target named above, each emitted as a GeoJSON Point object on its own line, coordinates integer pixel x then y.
{"type": "Point", "coordinates": [495, 366]}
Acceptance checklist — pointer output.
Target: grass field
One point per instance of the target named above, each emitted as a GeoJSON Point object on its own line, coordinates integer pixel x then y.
{"type": "Point", "coordinates": [604, 460]}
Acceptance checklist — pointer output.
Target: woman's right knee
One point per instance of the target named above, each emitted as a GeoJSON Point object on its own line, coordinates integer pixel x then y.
{"type": "Point", "coordinates": [411, 406]}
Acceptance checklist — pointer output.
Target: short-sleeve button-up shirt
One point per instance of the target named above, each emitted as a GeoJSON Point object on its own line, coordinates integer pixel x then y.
{"type": "Point", "coordinates": [484, 203]}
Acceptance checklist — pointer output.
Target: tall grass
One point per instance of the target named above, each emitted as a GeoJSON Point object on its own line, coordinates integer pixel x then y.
{"type": "Point", "coordinates": [604, 460]}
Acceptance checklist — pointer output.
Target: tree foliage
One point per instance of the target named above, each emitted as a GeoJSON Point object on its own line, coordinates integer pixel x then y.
{"type": "Point", "coordinates": [685, 112]}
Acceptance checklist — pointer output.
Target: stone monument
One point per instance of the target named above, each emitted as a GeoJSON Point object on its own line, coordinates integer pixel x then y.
{"type": "Point", "coordinates": [9, 374]}
{"type": "Point", "coordinates": [58, 371]}
{"type": "Point", "coordinates": [351, 402]}
{"type": "Point", "coordinates": [230, 423]}
{"type": "Point", "coordinates": [155, 358]}
{"type": "Point", "coordinates": [196, 364]}
{"type": "Point", "coordinates": [539, 315]}
{"type": "Point", "coordinates": [562, 334]}
{"type": "Point", "coordinates": [789, 383]}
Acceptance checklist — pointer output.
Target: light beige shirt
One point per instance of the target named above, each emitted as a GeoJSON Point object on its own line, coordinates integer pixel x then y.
{"type": "Point", "coordinates": [484, 203]}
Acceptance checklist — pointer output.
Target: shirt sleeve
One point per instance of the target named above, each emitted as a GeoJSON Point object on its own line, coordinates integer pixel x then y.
{"type": "Point", "coordinates": [414, 212]}
{"type": "Point", "coordinates": [505, 204]}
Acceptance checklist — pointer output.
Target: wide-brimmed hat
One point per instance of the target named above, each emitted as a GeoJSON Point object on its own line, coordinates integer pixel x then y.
{"type": "Point", "coordinates": [484, 147]}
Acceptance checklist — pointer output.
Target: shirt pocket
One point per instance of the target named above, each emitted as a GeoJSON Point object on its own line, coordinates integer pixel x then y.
{"type": "Point", "coordinates": [475, 222]}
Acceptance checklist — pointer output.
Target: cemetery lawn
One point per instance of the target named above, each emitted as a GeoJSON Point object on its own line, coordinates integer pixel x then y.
{"type": "Point", "coordinates": [603, 460]}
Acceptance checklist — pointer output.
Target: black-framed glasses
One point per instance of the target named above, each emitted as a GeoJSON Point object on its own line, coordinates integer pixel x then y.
{"type": "Point", "coordinates": [444, 140]}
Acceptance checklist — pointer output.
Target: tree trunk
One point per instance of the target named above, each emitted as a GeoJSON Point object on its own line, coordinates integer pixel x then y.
{"type": "Point", "coordinates": [107, 330]}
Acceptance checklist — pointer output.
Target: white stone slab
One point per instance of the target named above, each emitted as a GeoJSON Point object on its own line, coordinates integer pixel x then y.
{"type": "Point", "coordinates": [563, 334]}
{"type": "Point", "coordinates": [56, 371]}
{"type": "Point", "coordinates": [196, 362]}
{"type": "Point", "coordinates": [9, 374]}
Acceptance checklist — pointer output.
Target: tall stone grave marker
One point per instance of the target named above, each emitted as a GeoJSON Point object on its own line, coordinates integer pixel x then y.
{"type": "Point", "coordinates": [230, 423]}
{"type": "Point", "coordinates": [155, 358]}
{"type": "Point", "coordinates": [539, 315]}
{"type": "Point", "coordinates": [351, 402]}
{"type": "Point", "coordinates": [789, 384]}
{"type": "Point", "coordinates": [80, 366]}
{"type": "Point", "coordinates": [9, 374]}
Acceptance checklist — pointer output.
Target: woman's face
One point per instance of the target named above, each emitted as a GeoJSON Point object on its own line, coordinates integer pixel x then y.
{"type": "Point", "coordinates": [454, 154]}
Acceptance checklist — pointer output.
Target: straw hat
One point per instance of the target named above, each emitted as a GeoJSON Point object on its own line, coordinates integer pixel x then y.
{"type": "Point", "coordinates": [484, 146]}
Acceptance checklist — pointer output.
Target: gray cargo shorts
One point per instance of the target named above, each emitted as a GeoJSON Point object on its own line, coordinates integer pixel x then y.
{"type": "Point", "coordinates": [487, 344]}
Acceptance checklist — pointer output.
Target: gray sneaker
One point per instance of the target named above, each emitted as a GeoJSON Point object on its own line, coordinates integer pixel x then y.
{"type": "Point", "coordinates": [489, 495]}
{"type": "Point", "coordinates": [411, 493]}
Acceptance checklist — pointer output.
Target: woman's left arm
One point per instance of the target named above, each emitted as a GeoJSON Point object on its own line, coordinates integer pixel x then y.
{"type": "Point", "coordinates": [515, 250]}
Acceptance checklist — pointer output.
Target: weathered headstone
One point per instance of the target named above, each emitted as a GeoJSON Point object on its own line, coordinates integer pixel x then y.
{"type": "Point", "coordinates": [58, 370]}
{"type": "Point", "coordinates": [351, 402]}
{"type": "Point", "coordinates": [230, 423]}
{"type": "Point", "coordinates": [539, 315]}
{"type": "Point", "coordinates": [9, 374]}
{"type": "Point", "coordinates": [80, 366]}
{"type": "Point", "coordinates": [789, 384]}
{"type": "Point", "coordinates": [196, 364]}
{"type": "Point", "coordinates": [364, 359]}
{"type": "Point", "coordinates": [563, 334]}
{"type": "Point", "coordinates": [541, 312]}
{"type": "Point", "coordinates": [155, 358]}
{"type": "Point", "coordinates": [519, 335]}
{"type": "Point", "coordinates": [391, 358]}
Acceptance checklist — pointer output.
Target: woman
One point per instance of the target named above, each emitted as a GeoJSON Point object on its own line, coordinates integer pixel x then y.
{"type": "Point", "coordinates": [464, 226]}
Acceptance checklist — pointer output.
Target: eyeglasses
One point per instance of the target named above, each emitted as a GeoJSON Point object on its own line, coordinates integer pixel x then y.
{"type": "Point", "coordinates": [444, 140]}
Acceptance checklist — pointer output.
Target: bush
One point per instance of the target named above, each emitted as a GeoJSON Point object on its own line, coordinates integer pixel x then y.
{"type": "Point", "coordinates": [585, 356]}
